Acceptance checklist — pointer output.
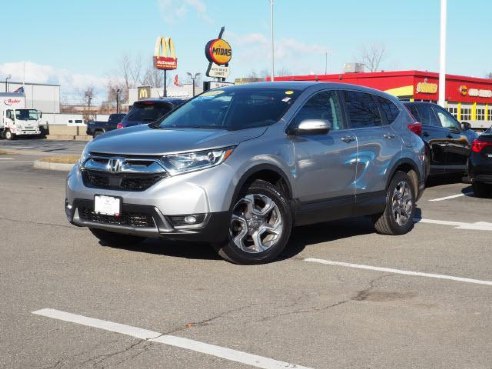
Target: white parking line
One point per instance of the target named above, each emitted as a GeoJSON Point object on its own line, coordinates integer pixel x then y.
{"type": "Point", "coordinates": [452, 196]}
{"type": "Point", "coordinates": [477, 226]}
{"type": "Point", "coordinates": [6, 158]}
{"type": "Point", "coordinates": [185, 343]}
{"type": "Point", "coordinates": [398, 271]}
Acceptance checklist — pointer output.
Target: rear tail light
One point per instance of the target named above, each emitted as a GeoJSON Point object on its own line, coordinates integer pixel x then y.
{"type": "Point", "coordinates": [119, 125]}
{"type": "Point", "coordinates": [478, 145]}
{"type": "Point", "coordinates": [416, 128]}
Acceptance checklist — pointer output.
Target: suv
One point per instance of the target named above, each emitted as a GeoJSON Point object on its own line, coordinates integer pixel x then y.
{"type": "Point", "coordinates": [150, 110]}
{"type": "Point", "coordinates": [96, 128]}
{"type": "Point", "coordinates": [448, 142]}
{"type": "Point", "coordinates": [238, 167]}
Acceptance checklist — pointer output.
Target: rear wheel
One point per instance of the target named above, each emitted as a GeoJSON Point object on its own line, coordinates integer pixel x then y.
{"type": "Point", "coordinates": [481, 189]}
{"type": "Point", "coordinates": [97, 133]}
{"type": "Point", "coordinates": [115, 239]}
{"type": "Point", "coordinates": [260, 225]}
{"type": "Point", "coordinates": [398, 215]}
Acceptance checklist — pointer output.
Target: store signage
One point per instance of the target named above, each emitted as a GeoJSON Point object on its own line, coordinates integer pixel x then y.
{"type": "Point", "coordinates": [165, 54]}
{"type": "Point", "coordinates": [143, 92]}
{"type": "Point", "coordinates": [218, 71]}
{"type": "Point", "coordinates": [463, 90]}
{"type": "Point", "coordinates": [426, 88]}
{"type": "Point", "coordinates": [479, 92]}
{"type": "Point", "coordinates": [218, 51]}
{"type": "Point", "coordinates": [10, 102]}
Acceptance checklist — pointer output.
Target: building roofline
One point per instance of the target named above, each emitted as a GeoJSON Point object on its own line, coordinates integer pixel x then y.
{"type": "Point", "coordinates": [33, 84]}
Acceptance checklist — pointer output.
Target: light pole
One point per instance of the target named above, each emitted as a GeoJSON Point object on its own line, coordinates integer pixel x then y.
{"type": "Point", "coordinates": [118, 101]}
{"type": "Point", "coordinates": [193, 78]}
{"type": "Point", "coordinates": [272, 78]}
{"type": "Point", "coordinates": [6, 83]}
{"type": "Point", "coordinates": [442, 56]}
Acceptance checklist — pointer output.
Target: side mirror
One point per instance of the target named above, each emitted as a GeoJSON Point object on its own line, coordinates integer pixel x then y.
{"type": "Point", "coordinates": [311, 126]}
{"type": "Point", "coordinates": [466, 126]}
{"type": "Point", "coordinates": [40, 114]}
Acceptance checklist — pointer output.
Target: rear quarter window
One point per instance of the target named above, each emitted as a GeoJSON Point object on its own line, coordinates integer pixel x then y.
{"type": "Point", "coordinates": [389, 109]}
{"type": "Point", "coordinates": [362, 109]}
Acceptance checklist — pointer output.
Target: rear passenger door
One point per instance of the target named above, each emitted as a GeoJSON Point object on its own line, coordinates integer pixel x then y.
{"type": "Point", "coordinates": [379, 146]}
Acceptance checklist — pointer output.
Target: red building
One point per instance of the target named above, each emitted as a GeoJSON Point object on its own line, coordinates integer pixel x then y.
{"type": "Point", "coordinates": [467, 98]}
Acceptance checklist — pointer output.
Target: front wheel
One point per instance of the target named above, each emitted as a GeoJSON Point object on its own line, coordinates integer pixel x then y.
{"type": "Point", "coordinates": [398, 215]}
{"type": "Point", "coordinates": [115, 239]}
{"type": "Point", "coordinates": [9, 135]}
{"type": "Point", "coordinates": [260, 225]}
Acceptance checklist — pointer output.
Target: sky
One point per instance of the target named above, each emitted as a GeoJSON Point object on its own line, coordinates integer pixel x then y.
{"type": "Point", "coordinates": [81, 43]}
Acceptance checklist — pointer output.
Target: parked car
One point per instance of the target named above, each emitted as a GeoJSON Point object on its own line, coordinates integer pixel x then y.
{"type": "Point", "coordinates": [448, 142]}
{"type": "Point", "coordinates": [480, 164]}
{"type": "Point", "coordinates": [238, 167]}
{"type": "Point", "coordinates": [96, 128]}
{"type": "Point", "coordinates": [149, 110]}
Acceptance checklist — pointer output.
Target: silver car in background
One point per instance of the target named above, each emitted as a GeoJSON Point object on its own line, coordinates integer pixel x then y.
{"type": "Point", "coordinates": [239, 167]}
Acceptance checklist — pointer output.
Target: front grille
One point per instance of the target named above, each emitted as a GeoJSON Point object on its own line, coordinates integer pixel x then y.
{"type": "Point", "coordinates": [124, 173]}
{"type": "Point", "coordinates": [120, 181]}
{"type": "Point", "coordinates": [132, 219]}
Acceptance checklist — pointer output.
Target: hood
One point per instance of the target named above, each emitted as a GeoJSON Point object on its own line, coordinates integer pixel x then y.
{"type": "Point", "coordinates": [143, 140]}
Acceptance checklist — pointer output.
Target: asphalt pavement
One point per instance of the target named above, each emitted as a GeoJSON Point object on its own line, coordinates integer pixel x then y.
{"type": "Point", "coordinates": [341, 296]}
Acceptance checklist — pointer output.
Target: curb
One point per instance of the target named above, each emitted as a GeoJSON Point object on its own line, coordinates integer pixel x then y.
{"type": "Point", "coordinates": [39, 164]}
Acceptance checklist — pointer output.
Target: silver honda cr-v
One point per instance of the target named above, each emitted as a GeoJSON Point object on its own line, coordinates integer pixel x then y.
{"type": "Point", "coordinates": [239, 167]}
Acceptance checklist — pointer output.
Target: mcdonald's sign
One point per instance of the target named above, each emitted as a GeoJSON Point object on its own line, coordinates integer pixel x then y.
{"type": "Point", "coordinates": [165, 54]}
{"type": "Point", "coordinates": [143, 92]}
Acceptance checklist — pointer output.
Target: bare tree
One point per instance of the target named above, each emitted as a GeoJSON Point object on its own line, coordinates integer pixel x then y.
{"type": "Point", "coordinates": [154, 77]}
{"type": "Point", "coordinates": [283, 72]}
{"type": "Point", "coordinates": [371, 56]}
{"type": "Point", "coordinates": [130, 69]}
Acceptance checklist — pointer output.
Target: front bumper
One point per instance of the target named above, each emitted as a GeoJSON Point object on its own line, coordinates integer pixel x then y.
{"type": "Point", "coordinates": [148, 221]}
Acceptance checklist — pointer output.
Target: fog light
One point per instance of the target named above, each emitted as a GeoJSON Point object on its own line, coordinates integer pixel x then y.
{"type": "Point", "coordinates": [187, 220]}
{"type": "Point", "coordinates": [190, 219]}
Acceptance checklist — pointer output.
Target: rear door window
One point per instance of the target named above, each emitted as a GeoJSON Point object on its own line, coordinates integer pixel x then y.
{"type": "Point", "coordinates": [388, 108]}
{"type": "Point", "coordinates": [427, 115]}
{"type": "Point", "coordinates": [362, 109]}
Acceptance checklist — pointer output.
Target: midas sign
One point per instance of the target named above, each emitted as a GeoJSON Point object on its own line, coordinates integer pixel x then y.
{"type": "Point", "coordinates": [218, 51]}
{"type": "Point", "coordinates": [165, 54]}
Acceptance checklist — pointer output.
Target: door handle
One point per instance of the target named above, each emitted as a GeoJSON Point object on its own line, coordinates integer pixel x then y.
{"type": "Point", "coordinates": [389, 135]}
{"type": "Point", "coordinates": [348, 139]}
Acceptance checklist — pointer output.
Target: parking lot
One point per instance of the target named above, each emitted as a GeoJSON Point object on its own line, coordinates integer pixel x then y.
{"type": "Point", "coordinates": [341, 296]}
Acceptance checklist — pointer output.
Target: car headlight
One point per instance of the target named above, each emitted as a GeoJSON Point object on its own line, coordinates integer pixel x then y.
{"type": "Point", "coordinates": [196, 160]}
{"type": "Point", "coordinates": [85, 155]}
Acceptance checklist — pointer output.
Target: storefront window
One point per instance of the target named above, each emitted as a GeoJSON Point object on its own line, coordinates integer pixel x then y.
{"type": "Point", "coordinates": [480, 114]}
{"type": "Point", "coordinates": [465, 113]}
{"type": "Point", "coordinates": [490, 114]}
{"type": "Point", "coordinates": [454, 111]}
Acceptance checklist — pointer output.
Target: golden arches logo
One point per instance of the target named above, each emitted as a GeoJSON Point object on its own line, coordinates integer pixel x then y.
{"type": "Point", "coordinates": [165, 54]}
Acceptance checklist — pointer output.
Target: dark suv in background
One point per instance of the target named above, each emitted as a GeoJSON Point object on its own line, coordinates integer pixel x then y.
{"type": "Point", "coordinates": [149, 110]}
{"type": "Point", "coordinates": [448, 141]}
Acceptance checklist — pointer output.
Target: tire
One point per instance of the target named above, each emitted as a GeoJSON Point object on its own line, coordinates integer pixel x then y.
{"type": "Point", "coordinates": [398, 215]}
{"type": "Point", "coordinates": [481, 189]}
{"type": "Point", "coordinates": [9, 135]}
{"type": "Point", "coordinates": [97, 133]}
{"type": "Point", "coordinates": [260, 225]}
{"type": "Point", "coordinates": [115, 239]}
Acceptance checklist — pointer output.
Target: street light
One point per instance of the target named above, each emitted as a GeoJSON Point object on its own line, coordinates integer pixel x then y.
{"type": "Point", "coordinates": [272, 74]}
{"type": "Point", "coordinates": [117, 100]}
{"type": "Point", "coordinates": [6, 83]}
{"type": "Point", "coordinates": [193, 78]}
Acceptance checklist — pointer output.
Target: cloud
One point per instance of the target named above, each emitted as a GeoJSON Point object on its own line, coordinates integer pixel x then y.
{"type": "Point", "coordinates": [174, 11]}
{"type": "Point", "coordinates": [71, 84]}
{"type": "Point", "coordinates": [292, 55]}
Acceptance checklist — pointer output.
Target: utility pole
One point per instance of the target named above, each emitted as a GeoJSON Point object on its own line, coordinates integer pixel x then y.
{"type": "Point", "coordinates": [442, 56]}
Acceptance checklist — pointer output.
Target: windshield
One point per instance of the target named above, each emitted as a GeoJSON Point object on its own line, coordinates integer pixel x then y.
{"type": "Point", "coordinates": [147, 112]}
{"type": "Point", "coordinates": [232, 109]}
{"type": "Point", "coordinates": [26, 114]}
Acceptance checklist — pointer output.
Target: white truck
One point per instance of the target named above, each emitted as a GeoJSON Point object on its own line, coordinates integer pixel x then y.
{"type": "Point", "coordinates": [16, 119]}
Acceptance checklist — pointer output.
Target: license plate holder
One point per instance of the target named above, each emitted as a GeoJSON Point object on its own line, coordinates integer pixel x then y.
{"type": "Point", "coordinates": [107, 205]}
